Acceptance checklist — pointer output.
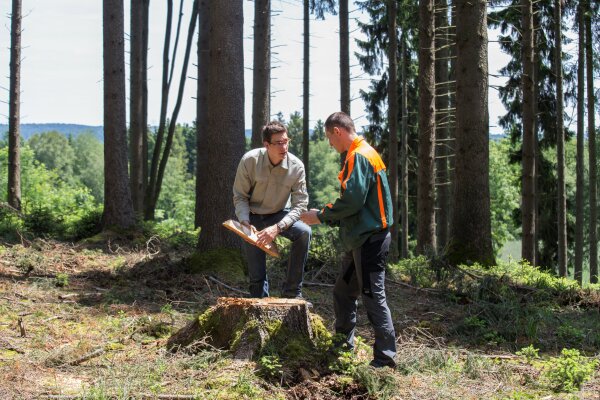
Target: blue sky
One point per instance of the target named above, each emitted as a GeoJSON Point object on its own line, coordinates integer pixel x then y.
{"type": "Point", "coordinates": [62, 63]}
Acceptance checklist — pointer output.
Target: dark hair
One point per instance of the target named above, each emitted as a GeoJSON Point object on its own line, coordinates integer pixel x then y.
{"type": "Point", "coordinates": [272, 128]}
{"type": "Point", "coordinates": [341, 120]}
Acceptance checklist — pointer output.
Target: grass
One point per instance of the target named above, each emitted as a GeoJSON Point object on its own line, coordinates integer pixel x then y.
{"type": "Point", "coordinates": [476, 333]}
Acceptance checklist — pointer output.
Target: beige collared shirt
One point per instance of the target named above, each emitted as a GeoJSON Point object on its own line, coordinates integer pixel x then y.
{"type": "Point", "coordinates": [261, 188]}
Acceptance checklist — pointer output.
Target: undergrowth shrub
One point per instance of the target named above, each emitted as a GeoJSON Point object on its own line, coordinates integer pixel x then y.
{"type": "Point", "coordinates": [569, 371]}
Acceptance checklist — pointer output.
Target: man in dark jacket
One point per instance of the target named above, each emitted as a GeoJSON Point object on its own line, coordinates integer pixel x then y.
{"type": "Point", "coordinates": [364, 213]}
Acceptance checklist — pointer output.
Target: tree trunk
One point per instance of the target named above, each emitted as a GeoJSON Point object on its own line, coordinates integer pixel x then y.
{"type": "Point", "coordinates": [426, 178]}
{"type": "Point", "coordinates": [393, 121]}
{"type": "Point", "coordinates": [144, 121]}
{"type": "Point", "coordinates": [591, 102]}
{"type": "Point", "coordinates": [443, 121]}
{"type": "Point", "coordinates": [560, 144]}
{"type": "Point", "coordinates": [471, 226]}
{"type": "Point", "coordinates": [244, 326]}
{"type": "Point", "coordinates": [404, 150]}
{"type": "Point", "coordinates": [149, 206]}
{"type": "Point", "coordinates": [223, 142]}
{"type": "Point", "coordinates": [118, 208]}
{"type": "Point", "coordinates": [344, 57]}
{"type": "Point", "coordinates": [579, 189]}
{"type": "Point", "coordinates": [528, 157]}
{"type": "Point", "coordinates": [201, 109]}
{"type": "Point", "coordinates": [262, 70]}
{"type": "Point", "coordinates": [137, 127]}
{"type": "Point", "coordinates": [14, 112]}
{"type": "Point", "coordinates": [173, 121]}
{"type": "Point", "coordinates": [306, 90]}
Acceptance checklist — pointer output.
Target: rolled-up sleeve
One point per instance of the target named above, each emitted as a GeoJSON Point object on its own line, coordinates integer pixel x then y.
{"type": "Point", "coordinates": [241, 192]}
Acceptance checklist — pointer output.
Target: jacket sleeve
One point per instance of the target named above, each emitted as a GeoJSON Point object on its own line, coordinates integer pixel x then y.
{"type": "Point", "coordinates": [354, 192]}
{"type": "Point", "coordinates": [242, 187]}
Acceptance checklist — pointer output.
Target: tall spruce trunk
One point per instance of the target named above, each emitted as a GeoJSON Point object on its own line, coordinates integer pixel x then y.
{"type": "Point", "coordinates": [137, 124]}
{"type": "Point", "coordinates": [306, 89]}
{"type": "Point", "coordinates": [223, 141]}
{"type": "Point", "coordinates": [471, 225]}
{"type": "Point", "coordinates": [14, 108]}
{"type": "Point", "coordinates": [579, 189]}
{"type": "Point", "coordinates": [591, 102]}
{"type": "Point", "coordinates": [529, 140]}
{"type": "Point", "coordinates": [404, 150]}
{"type": "Point", "coordinates": [118, 208]}
{"type": "Point", "coordinates": [442, 123]}
{"type": "Point", "coordinates": [393, 121]}
{"type": "Point", "coordinates": [344, 57]}
{"type": "Point", "coordinates": [202, 177]}
{"type": "Point", "coordinates": [560, 144]}
{"type": "Point", "coordinates": [261, 73]}
{"type": "Point", "coordinates": [426, 240]}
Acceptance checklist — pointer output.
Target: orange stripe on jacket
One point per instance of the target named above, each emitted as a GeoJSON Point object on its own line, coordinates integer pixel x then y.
{"type": "Point", "coordinates": [381, 207]}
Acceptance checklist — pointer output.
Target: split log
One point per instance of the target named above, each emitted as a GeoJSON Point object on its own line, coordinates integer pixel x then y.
{"type": "Point", "coordinates": [247, 326]}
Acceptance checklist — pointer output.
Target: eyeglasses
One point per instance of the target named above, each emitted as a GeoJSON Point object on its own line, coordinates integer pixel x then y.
{"type": "Point", "coordinates": [282, 143]}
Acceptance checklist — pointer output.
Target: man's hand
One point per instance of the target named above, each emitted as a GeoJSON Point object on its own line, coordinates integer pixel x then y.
{"type": "Point", "coordinates": [247, 228]}
{"type": "Point", "coordinates": [267, 235]}
{"type": "Point", "coordinates": [310, 217]}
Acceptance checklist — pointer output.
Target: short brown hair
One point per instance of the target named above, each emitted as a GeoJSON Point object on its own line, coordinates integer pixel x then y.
{"type": "Point", "coordinates": [341, 120]}
{"type": "Point", "coordinates": [272, 128]}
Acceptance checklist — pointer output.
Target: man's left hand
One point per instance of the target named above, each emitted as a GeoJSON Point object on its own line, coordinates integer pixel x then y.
{"type": "Point", "coordinates": [267, 235]}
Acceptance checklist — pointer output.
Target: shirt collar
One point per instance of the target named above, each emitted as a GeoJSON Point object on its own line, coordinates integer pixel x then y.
{"type": "Point", "coordinates": [355, 143]}
{"type": "Point", "coordinates": [266, 163]}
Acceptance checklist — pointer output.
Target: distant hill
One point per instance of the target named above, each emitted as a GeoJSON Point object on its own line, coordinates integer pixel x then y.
{"type": "Point", "coordinates": [28, 130]}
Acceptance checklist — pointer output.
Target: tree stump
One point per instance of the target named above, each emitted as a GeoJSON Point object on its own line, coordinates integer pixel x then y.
{"type": "Point", "coordinates": [250, 327]}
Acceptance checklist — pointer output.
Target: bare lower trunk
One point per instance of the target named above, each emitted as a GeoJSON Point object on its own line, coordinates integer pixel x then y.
{"type": "Point", "coordinates": [393, 122]}
{"type": "Point", "coordinates": [560, 145]}
{"type": "Point", "coordinates": [118, 208]}
{"type": "Point", "coordinates": [262, 70]}
{"type": "Point", "coordinates": [14, 113]}
{"type": "Point", "coordinates": [579, 219]}
{"type": "Point", "coordinates": [529, 171]}
{"type": "Point", "coordinates": [224, 139]}
{"type": "Point", "coordinates": [471, 226]}
{"type": "Point", "coordinates": [344, 58]}
{"type": "Point", "coordinates": [591, 102]}
{"type": "Point", "coordinates": [306, 90]}
{"type": "Point", "coordinates": [426, 240]}
{"type": "Point", "coordinates": [404, 152]}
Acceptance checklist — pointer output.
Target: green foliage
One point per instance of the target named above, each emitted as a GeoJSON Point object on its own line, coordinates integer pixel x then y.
{"type": "Point", "coordinates": [270, 366]}
{"type": "Point", "coordinates": [324, 168]}
{"type": "Point", "coordinates": [380, 383]}
{"type": "Point", "coordinates": [504, 193]}
{"type": "Point", "coordinates": [54, 151]}
{"type": "Point", "coordinates": [89, 163]}
{"type": "Point", "coordinates": [61, 280]}
{"type": "Point", "coordinates": [569, 371]}
{"type": "Point", "coordinates": [529, 353]}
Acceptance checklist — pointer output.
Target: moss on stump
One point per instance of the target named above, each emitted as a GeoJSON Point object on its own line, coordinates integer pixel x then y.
{"type": "Point", "coordinates": [250, 328]}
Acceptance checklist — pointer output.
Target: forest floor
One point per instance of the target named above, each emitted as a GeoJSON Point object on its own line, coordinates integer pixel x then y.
{"type": "Point", "coordinates": [91, 321]}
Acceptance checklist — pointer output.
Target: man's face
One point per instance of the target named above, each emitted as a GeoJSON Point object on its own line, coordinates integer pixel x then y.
{"type": "Point", "coordinates": [333, 136]}
{"type": "Point", "coordinates": [278, 147]}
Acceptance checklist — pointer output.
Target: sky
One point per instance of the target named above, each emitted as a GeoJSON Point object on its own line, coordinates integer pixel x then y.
{"type": "Point", "coordinates": [61, 77]}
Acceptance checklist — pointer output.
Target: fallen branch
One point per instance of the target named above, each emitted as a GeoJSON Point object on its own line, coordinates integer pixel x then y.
{"type": "Point", "coordinates": [215, 280]}
{"type": "Point", "coordinates": [168, 396]}
{"type": "Point", "coordinates": [429, 290]}
{"type": "Point", "coordinates": [317, 284]}
{"type": "Point", "coordinates": [88, 356]}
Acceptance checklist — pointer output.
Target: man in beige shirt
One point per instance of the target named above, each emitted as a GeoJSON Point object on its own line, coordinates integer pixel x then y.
{"type": "Point", "coordinates": [269, 194]}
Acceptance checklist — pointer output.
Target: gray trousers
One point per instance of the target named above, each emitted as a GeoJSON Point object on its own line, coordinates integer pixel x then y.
{"type": "Point", "coordinates": [363, 274]}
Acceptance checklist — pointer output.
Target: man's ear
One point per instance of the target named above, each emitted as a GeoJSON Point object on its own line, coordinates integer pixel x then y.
{"type": "Point", "coordinates": [266, 144]}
